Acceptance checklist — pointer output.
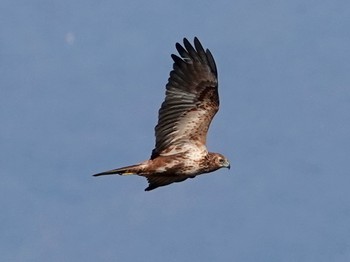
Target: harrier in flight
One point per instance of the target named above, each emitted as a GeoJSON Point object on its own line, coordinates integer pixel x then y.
{"type": "Point", "coordinates": [191, 101]}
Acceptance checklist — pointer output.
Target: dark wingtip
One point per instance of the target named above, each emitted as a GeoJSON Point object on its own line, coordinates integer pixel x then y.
{"type": "Point", "coordinates": [196, 41]}
{"type": "Point", "coordinates": [186, 42]}
{"type": "Point", "coordinates": [178, 45]}
{"type": "Point", "coordinates": [150, 187]}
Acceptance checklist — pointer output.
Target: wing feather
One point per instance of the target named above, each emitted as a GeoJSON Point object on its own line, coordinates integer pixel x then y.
{"type": "Point", "coordinates": [157, 181]}
{"type": "Point", "coordinates": [191, 99]}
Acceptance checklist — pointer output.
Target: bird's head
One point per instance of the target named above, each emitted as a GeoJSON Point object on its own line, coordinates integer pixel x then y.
{"type": "Point", "coordinates": [219, 161]}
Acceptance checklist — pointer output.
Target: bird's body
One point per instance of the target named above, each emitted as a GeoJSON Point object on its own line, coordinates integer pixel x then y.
{"type": "Point", "coordinates": [190, 104]}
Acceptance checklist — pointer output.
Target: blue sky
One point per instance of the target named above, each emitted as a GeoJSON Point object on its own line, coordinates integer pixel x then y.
{"type": "Point", "coordinates": [81, 84]}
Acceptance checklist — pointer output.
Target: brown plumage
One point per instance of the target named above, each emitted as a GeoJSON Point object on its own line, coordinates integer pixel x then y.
{"type": "Point", "coordinates": [190, 104]}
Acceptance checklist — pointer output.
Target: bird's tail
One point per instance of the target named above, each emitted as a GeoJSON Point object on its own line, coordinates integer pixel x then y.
{"type": "Point", "coordinates": [127, 170]}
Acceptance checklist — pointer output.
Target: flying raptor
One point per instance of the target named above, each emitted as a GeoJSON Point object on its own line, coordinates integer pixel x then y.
{"type": "Point", "coordinates": [191, 102]}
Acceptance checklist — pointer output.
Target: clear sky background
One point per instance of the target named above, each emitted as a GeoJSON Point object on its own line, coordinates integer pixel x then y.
{"type": "Point", "coordinates": [81, 83]}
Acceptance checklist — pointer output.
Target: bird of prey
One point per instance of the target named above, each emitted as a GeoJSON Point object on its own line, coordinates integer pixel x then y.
{"type": "Point", "coordinates": [191, 101]}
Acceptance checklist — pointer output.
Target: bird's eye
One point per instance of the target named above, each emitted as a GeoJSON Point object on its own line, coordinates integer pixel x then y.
{"type": "Point", "coordinates": [221, 161]}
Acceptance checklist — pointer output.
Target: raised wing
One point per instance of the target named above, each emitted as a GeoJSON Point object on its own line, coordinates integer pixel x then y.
{"type": "Point", "coordinates": [191, 100]}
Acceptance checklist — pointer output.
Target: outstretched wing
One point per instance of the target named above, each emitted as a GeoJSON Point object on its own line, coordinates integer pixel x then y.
{"type": "Point", "coordinates": [191, 100]}
{"type": "Point", "coordinates": [158, 181]}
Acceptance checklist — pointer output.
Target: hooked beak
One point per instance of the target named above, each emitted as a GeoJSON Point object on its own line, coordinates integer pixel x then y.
{"type": "Point", "coordinates": [227, 165]}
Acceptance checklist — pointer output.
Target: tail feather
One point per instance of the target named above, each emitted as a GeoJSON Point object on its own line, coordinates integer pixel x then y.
{"type": "Point", "coordinates": [128, 170]}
